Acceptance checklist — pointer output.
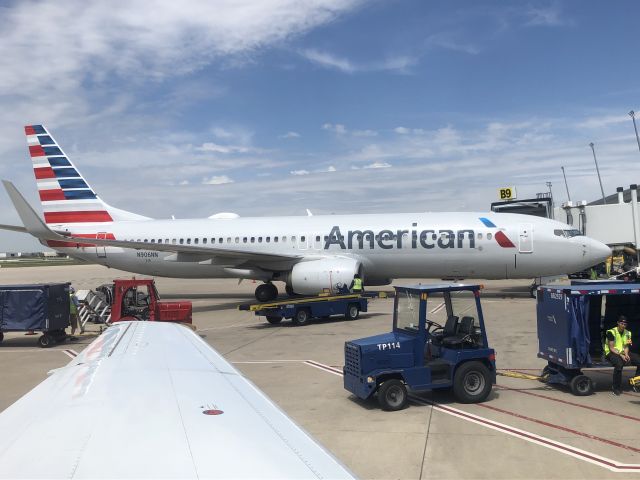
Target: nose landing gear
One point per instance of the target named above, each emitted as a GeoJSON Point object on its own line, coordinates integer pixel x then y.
{"type": "Point", "coordinates": [266, 292]}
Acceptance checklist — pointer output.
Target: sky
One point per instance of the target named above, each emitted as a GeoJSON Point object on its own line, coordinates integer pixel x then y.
{"type": "Point", "coordinates": [267, 108]}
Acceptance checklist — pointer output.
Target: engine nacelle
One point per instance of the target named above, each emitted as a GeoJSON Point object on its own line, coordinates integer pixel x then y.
{"type": "Point", "coordinates": [312, 277]}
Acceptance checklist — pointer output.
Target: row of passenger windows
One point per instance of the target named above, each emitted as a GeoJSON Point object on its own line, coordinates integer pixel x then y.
{"type": "Point", "coordinates": [205, 241]}
{"type": "Point", "coordinates": [275, 239]}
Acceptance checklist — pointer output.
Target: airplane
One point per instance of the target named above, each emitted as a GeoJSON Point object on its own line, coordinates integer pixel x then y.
{"type": "Point", "coordinates": [154, 400]}
{"type": "Point", "coordinates": [308, 253]}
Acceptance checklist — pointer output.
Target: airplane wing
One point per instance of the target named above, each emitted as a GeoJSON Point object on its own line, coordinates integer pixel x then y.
{"type": "Point", "coordinates": [34, 225]}
{"type": "Point", "coordinates": [153, 400]}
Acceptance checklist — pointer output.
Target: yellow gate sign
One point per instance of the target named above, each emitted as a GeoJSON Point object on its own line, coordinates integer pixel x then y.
{"type": "Point", "coordinates": [507, 193]}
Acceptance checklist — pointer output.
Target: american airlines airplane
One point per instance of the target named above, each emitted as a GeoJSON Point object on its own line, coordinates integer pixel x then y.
{"type": "Point", "coordinates": [307, 253]}
{"type": "Point", "coordinates": [153, 400]}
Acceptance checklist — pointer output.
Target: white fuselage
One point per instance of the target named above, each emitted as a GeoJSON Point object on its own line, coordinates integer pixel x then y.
{"type": "Point", "coordinates": [391, 245]}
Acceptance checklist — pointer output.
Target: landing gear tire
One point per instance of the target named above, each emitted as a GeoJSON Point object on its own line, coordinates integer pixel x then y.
{"type": "Point", "coordinates": [581, 385]}
{"type": "Point", "coordinates": [273, 320]}
{"type": "Point", "coordinates": [392, 395]}
{"type": "Point", "coordinates": [302, 317]}
{"type": "Point", "coordinates": [472, 382]}
{"type": "Point", "coordinates": [266, 292]}
{"type": "Point", "coordinates": [352, 312]}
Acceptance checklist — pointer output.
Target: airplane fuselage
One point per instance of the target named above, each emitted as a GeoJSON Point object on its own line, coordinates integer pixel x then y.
{"type": "Point", "coordinates": [463, 245]}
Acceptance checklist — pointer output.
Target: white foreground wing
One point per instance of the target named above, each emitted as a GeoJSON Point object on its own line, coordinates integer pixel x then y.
{"type": "Point", "coordinates": [131, 406]}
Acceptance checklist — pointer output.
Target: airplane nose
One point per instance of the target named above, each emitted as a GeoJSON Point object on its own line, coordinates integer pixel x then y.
{"type": "Point", "coordinates": [598, 251]}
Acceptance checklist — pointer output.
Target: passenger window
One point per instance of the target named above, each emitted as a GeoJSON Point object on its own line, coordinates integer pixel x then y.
{"type": "Point", "coordinates": [188, 241]}
{"type": "Point", "coordinates": [259, 239]}
{"type": "Point", "coordinates": [293, 239]}
{"type": "Point", "coordinates": [244, 239]}
{"type": "Point", "coordinates": [166, 240]}
{"type": "Point", "coordinates": [489, 236]}
{"type": "Point", "coordinates": [237, 239]}
{"type": "Point", "coordinates": [146, 241]}
{"type": "Point", "coordinates": [195, 240]}
{"type": "Point", "coordinates": [275, 239]}
{"type": "Point", "coordinates": [228, 239]}
{"type": "Point", "coordinates": [220, 240]}
{"type": "Point", "coordinates": [479, 236]}
{"type": "Point", "coordinates": [204, 240]}
{"type": "Point", "coordinates": [317, 238]}
{"type": "Point", "coordinates": [284, 239]}
{"type": "Point", "coordinates": [173, 241]}
{"type": "Point", "coordinates": [303, 238]}
{"type": "Point", "coordinates": [181, 241]}
{"type": "Point", "coordinates": [268, 239]}
{"type": "Point", "coordinates": [253, 239]}
{"type": "Point", "coordinates": [153, 240]}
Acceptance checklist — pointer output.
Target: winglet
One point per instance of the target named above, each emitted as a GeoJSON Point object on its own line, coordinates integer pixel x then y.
{"type": "Point", "coordinates": [31, 220]}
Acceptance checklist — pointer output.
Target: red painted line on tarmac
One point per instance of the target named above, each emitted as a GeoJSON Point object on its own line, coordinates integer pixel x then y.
{"type": "Point", "coordinates": [560, 427]}
{"type": "Point", "coordinates": [573, 404]}
{"type": "Point", "coordinates": [612, 465]}
{"type": "Point", "coordinates": [529, 436]}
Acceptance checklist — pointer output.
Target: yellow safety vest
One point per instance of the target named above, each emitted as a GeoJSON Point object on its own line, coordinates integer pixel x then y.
{"type": "Point", "coordinates": [357, 284]}
{"type": "Point", "coordinates": [621, 340]}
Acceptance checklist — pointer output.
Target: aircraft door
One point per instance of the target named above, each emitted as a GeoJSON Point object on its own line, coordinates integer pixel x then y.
{"type": "Point", "coordinates": [526, 238]}
{"type": "Point", "coordinates": [101, 250]}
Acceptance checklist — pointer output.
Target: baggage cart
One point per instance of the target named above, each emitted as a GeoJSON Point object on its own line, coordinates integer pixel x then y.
{"type": "Point", "coordinates": [38, 307]}
{"type": "Point", "coordinates": [572, 321]}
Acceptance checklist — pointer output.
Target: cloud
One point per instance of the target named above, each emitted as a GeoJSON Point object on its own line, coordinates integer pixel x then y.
{"type": "Point", "coordinates": [214, 147]}
{"type": "Point", "coordinates": [398, 64]}
{"type": "Point", "coordinates": [217, 180]}
{"type": "Point", "coordinates": [300, 172]}
{"type": "Point", "coordinates": [448, 41]}
{"type": "Point", "coordinates": [378, 165]}
{"type": "Point", "coordinates": [336, 128]}
{"type": "Point", "coordinates": [289, 135]}
{"type": "Point", "coordinates": [550, 16]}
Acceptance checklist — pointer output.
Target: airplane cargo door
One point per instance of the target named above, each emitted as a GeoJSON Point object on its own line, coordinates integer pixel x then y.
{"type": "Point", "coordinates": [526, 238]}
{"type": "Point", "coordinates": [101, 250]}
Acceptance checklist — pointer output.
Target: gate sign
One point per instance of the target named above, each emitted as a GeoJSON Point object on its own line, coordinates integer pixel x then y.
{"type": "Point", "coordinates": [507, 193]}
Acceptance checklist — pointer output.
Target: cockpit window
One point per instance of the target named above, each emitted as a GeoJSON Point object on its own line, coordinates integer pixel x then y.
{"type": "Point", "coordinates": [567, 233]}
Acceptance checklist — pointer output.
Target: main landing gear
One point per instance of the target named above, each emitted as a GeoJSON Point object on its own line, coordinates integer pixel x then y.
{"type": "Point", "coordinates": [266, 292]}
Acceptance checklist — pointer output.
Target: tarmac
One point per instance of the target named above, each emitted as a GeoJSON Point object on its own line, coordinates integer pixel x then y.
{"type": "Point", "coordinates": [526, 429]}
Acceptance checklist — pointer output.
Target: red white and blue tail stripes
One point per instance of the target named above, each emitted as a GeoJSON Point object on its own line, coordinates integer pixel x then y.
{"type": "Point", "coordinates": [65, 195]}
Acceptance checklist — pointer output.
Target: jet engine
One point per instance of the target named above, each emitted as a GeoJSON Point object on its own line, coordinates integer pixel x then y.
{"type": "Point", "coordinates": [310, 278]}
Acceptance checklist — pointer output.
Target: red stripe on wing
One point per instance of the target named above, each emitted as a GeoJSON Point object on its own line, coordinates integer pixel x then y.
{"type": "Point", "coordinates": [76, 217]}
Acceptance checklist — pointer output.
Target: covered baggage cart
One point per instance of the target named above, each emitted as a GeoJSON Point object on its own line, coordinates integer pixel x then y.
{"type": "Point", "coordinates": [572, 321]}
{"type": "Point", "coordinates": [38, 307]}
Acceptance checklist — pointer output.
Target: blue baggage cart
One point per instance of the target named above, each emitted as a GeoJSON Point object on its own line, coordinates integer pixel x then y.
{"type": "Point", "coordinates": [572, 321]}
{"type": "Point", "coordinates": [40, 307]}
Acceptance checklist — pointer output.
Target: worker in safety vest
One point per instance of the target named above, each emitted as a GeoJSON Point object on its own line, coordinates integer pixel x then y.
{"type": "Point", "coordinates": [616, 350]}
{"type": "Point", "coordinates": [356, 285]}
{"type": "Point", "coordinates": [73, 311]}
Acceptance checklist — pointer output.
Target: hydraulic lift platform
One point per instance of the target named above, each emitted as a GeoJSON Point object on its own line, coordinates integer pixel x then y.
{"type": "Point", "coordinates": [302, 309]}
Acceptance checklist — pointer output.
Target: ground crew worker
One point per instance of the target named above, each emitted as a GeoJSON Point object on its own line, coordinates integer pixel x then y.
{"type": "Point", "coordinates": [73, 311]}
{"type": "Point", "coordinates": [616, 349]}
{"type": "Point", "coordinates": [356, 285]}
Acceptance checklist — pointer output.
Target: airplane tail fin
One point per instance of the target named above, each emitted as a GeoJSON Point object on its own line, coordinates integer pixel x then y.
{"type": "Point", "coordinates": [65, 195]}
